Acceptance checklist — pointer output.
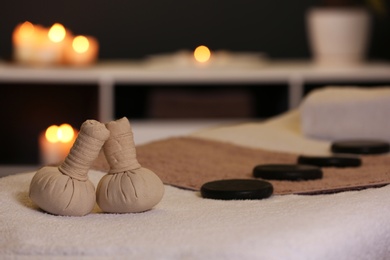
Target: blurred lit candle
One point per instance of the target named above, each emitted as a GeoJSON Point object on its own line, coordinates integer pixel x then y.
{"type": "Point", "coordinates": [55, 143]}
{"type": "Point", "coordinates": [34, 44]}
{"type": "Point", "coordinates": [24, 42]}
{"type": "Point", "coordinates": [202, 54]}
{"type": "Point", "coordinates": [82, 51]}
{"type": "Point", "coordinates": [52, 48]}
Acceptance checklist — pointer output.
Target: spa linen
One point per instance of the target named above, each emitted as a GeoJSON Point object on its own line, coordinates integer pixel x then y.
{"type": "Point", "coordinates": [337, 113]}
{"type": "Point", "coordinates": [350, 225]}
{"type": "Point", "coordinates": [347, 225]}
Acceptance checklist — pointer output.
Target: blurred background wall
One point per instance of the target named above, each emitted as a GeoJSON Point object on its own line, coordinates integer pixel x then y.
{"type": "Point", "coordinates": [134, 29]}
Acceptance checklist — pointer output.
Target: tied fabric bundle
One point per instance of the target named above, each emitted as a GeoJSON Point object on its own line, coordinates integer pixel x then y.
{"type": "Point", "coordinates": [128, 187]}
{"type": "Point", "coordinates": [337, 113]}
{"type": "Point", "coordinates": [66, 190]}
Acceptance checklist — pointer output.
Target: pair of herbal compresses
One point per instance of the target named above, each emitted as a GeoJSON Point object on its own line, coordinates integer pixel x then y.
{"type": "Point", "coordinates": [128, 187]}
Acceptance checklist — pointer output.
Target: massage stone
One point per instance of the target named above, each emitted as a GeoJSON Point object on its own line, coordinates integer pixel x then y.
{"type": "Point", "coordinates": [66, 190]}
{"type": "Point", "coordinates": [330, 161]}
{"type": "Point", "coordinates": [360, 146]}
{"type": "Point", "coordinates": [128, 187]}
{"type": "Point", "coordinates": [236, 189]}
{"type": "Point", "coordinates": [288, 172]}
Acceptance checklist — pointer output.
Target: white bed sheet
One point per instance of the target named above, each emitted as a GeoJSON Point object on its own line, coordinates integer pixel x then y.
{"type": "Point", "coordinates": [347, 225]}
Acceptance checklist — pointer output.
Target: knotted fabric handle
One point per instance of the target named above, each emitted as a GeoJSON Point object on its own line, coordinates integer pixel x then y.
{"type": "Point", "coordinates": [85, 150]}
{"type": "Point", "coordinates": [119, 149]}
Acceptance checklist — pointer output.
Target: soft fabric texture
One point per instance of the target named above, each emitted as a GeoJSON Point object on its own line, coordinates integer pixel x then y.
{"type": "Point", "coordinates": [66, 190]}
{"type": "Point", "coordinates": [337, 113]}
{"type": "Point", "coordinates": [281, 133]}
{"type": "Point", "coordinates": [190, 162]}
{"type": "Point", "coordinates": [349, 226]}
{"type": "Point", "coordinates": [127, 187]}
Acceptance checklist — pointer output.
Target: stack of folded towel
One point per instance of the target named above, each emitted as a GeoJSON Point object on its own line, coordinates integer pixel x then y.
{"type": "Point", "coordinates": [336, 113]}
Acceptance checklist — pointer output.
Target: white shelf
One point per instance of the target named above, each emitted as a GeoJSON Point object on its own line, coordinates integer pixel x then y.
{"type": "Point", "coordinates": [106, 74]}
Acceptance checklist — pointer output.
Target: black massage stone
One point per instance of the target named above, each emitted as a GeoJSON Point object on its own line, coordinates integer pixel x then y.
{"type": "Point", "coordinates": [237, 189]}
{"type": "Point", "coordinates": [330, 161]}
{"type": "Point", "coordinates": [360, 147]}
{"type": "Point", "coordinates": [289, 172]}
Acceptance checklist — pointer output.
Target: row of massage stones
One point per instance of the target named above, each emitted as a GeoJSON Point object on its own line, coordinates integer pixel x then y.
{"type": "Point", "coordinates": [307, 168]}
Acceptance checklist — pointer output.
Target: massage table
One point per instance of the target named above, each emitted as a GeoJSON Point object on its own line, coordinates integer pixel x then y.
{"type": "Point", "coordinates": [352, 224]}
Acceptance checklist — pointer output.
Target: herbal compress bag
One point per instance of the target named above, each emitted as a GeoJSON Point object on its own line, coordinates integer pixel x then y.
{"type": "Point", "coordinates": [128, 187]}
{"type": "Point", "coordinates": [66, 190]}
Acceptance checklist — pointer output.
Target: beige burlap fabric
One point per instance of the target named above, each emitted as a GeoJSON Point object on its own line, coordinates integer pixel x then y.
{"type": "Point", "coordinates": [189, 162]}
{"type": "Point", "coordinates": [66, 190]}
{"type": "Point", "coordinates": [128, 187]}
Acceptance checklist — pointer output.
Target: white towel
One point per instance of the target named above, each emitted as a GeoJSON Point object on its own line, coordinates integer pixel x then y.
{"type": "Point", "coordinates": [281, 133]}
{"type": "Point", "coordinates": [350, 225]}
{"type": "Point", "coordinates": [336, 113]}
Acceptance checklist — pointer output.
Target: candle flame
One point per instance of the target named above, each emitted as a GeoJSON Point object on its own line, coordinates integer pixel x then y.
{"type": "Point", "coordinates": [51, 134]}
{"type": "Point", "coordinates": [63, 133]}
{"type": "Point", "coordinates": [202, 54]}
{"type": "Point", "coordinates": [80, 44]}
{"type": "Point", "coordinates": [57, 33]}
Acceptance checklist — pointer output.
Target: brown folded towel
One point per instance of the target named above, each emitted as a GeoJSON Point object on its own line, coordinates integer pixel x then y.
{"type": "Point", "coordinates": [189, 162]}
